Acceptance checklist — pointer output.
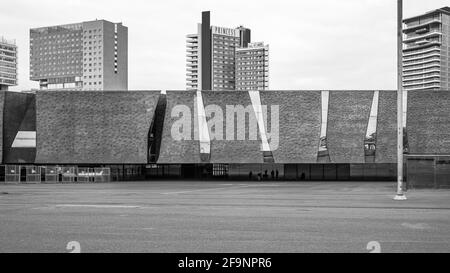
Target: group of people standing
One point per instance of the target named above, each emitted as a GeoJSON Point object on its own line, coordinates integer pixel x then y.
{"type": "Point", "coordinates": [260, 176]}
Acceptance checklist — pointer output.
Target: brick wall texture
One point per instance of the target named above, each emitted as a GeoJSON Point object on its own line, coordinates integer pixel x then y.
{"type": "Point", "coordinates": [348, 116]}
{"type": "Point", "coordinates": [299, 124]}
{"type": "Point", "coordinates": [112, 127]}
{"type": "Point", "coordinates": [234, 150]}
{"type": "Point", "coordinates": [428, 122]}
{"type": "Point", "coordinates": [386, 144]}
{"type": "Point", "coordinates": [185, 150]}
{"type": "Point", "coordinates": [109, 127]}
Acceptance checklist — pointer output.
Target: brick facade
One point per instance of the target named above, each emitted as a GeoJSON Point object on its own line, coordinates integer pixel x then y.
{"type": "Point", "coordinates": [428, 122]}
{"type": "Point", "coordinates": [299, 124]}
{"type": "Point", "coordinates": [113, 127]}
{"type": "Point", "coordinates": [386, 143]}
{"type": "Point", "coordinates": [233, 151]}
{"type": "Point", "coordinates": [348, 117]}
{"type": "Point", "coordinates": [109, 127]}
{"type": "Point", "coordinates": [179, 151]}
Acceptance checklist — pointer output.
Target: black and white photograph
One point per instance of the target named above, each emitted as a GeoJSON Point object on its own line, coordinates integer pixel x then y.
{"type": "Point", "coordinates": [224, 134]}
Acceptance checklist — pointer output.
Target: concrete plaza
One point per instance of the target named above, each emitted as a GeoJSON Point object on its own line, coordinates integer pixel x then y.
{"type": "Point", "coordinates": [194, 216]}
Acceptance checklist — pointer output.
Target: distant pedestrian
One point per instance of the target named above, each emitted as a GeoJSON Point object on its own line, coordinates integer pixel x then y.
{"type": "Point", "coordinates": [272, 174]}
{"type": "Point", "coordinates": [250, 175]}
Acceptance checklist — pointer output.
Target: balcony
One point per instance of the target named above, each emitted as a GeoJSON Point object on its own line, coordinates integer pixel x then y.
{"type": "Point", "coordinates": [192, 37]}
{"type": "Point", "coordinates": [424, 82]}
{"type": "Point", "coordinates": [421, 76]}
{"type": "Point", "coordinates": [422, 56]}
{"type": "Point", "coordinates": [425, 66]}
{"type": "Point", "coordinates": [431, 80]}
{"type": "Point", "coordinates": [422, 44]}
{"type": "Point", "coordinates": [406, 53]}
{"type": "Point", "coordinates": [424, 87]}
{"type": "Point", "coordinates": [422, 24]}
{"type": "Point", "coordinates": [432, 33]}
{"type": "Point", "coordinates": [9, 50]}
{"type": "Point", "coordinates": [192, 44]}
{"type": "Point", "coordinates": [421, 71]}
{"type": "Point", "coordinates": [421, 61]}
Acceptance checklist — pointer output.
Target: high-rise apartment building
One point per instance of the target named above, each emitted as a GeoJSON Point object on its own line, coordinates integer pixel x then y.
{"type": "Point", "coordinates": [252, 67]}
{"type": "Point", "coordinates": [8, 63]}
{"type": "Point", "coordinates": [426, 51]}
{"type": "Point", "coordinates": [83, 56]}
{"type": "Point", "coordinates": [224, 42]}
{"type": "Point", "coordinates": [193, 62]}
{"type": "Point", "coordinates": [211, 55]}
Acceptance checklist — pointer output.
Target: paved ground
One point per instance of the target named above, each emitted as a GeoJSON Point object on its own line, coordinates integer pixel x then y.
{"type": "Point", "coordinates": [172, 216]}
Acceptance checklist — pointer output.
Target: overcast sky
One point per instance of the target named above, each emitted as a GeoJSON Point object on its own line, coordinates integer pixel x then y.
{"type": "Point", "coordinates": [328, 44]}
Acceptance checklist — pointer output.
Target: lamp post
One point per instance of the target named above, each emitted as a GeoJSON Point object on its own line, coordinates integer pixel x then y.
{"type": "Point", "coordinates": [400, 194]}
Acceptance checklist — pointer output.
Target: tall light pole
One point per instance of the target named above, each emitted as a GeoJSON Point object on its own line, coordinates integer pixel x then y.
{"type": "Point", "coordinates": [400, 194]}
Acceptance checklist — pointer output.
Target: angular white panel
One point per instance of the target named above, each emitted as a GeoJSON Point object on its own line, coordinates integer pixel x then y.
{"type": "Point", "coordinates": [257, 108]}
{"type": "Point", "coordinates": [25, 139]}
{"type": "Point", "coordinates": [205, 143]}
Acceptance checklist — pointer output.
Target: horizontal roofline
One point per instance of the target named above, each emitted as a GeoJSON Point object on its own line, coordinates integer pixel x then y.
{"type": "Point", "coordinates": [73, 24]}
{"type": "Point", "coordinates": [445, 10]}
